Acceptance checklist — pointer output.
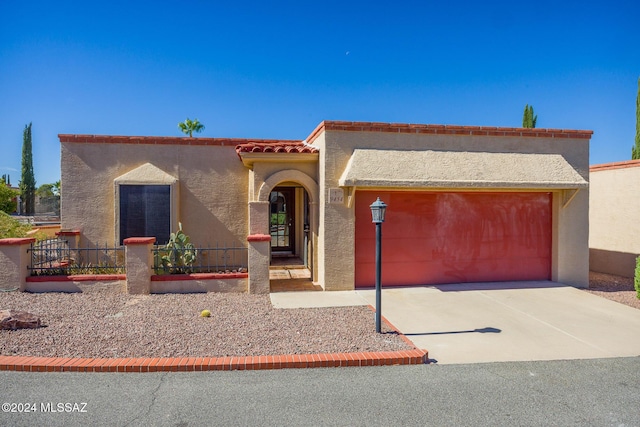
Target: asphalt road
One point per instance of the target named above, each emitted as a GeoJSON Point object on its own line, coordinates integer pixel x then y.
{"type": "Point", "coordinates": [598, 392]}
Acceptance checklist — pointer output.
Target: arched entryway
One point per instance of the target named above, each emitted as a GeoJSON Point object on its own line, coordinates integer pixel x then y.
{"type": "Point", "coordinates": [291, 198]}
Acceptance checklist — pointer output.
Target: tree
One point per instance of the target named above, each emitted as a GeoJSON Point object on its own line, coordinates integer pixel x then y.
{"type": "Point", "coordinates": [188, 127]}
{"type": "Point", "coordinates": [635, 150]}
{"type": "Point", "coordinates": [28, 181]}
{"type": "Point", "coordinates": [45, 190]}
{"type": "Point", "coordinates": [8, 197]}
{"type": "Point", "coordinates": [6, 179]}
{"type": "Point", "coordinates": [529, 119]}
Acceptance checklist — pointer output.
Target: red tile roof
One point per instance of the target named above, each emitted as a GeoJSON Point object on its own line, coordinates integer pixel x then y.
{"type": "Point", "coordinates": [275, 147]}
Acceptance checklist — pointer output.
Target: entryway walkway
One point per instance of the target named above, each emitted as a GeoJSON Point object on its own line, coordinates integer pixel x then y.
{"type": "Point", "coordinates": [289, 274]}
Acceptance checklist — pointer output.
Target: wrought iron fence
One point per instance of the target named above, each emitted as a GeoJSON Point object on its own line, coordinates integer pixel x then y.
{"type": "Point", "coordinates": [54, 257]}
{"type": "Point", "coordinates": [218, 259]}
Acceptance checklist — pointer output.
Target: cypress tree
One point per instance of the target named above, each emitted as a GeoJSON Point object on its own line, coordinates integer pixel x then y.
{"type": "Point", "coordinates": [28, 181]}
{"type": "Point", "coordinates": [528, 118]}
{"type": "Point", "coordinates": [635, 150]}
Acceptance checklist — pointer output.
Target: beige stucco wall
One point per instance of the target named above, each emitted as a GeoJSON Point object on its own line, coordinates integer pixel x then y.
{"type": "Point", "coordinates": [614, 236]}
{"type": "Point", "coordinates": [212, 196]}
{"type": "Point", "coordinates": [337, 230]}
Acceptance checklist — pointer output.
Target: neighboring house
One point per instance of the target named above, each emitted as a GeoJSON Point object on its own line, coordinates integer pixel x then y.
{"type": "Point", "coordinates": [614, 235]}
{"type": "Point", "coordinates": [465, 203]}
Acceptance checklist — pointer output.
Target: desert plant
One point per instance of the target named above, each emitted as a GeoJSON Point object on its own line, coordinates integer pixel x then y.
{"type": "Point", "coordinates": [178, 255]}
{"type": "Point", "coordinates": [636, 280]}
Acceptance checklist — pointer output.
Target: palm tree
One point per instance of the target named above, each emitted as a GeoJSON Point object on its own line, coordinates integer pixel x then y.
{"type": "Point", "coordinates": [55, 187]}
{"type": "Point", "coordinates": [188, 127]}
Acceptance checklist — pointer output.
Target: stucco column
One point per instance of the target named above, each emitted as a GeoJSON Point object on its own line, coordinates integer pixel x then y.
{"type": "Point", "coordinates": [14, 263]}
{"type": "Point", "coordinates": [71, 236]}
{"type": "Point", "coordinates": [313, 240]}
{"type": "Point", "coordinates": [139, 264]}
{"type": "Point", "coordinates": [258, 218]}
{"type": "Point", "coordinates": [259, 254]}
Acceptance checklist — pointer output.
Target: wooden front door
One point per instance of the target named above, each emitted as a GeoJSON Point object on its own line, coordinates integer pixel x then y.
{"type": "Point", "coordinates": [281, 219]}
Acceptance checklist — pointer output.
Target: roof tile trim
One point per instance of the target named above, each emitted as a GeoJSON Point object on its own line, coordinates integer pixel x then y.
{"type": "Point", "coordinates": [615, 165]}
{"type": "Point", "coordinates": [163, 140]}
{"type": "Point", "coordinates": [276, 147]}
{"type": "Point", "coordinates": [446, 130]}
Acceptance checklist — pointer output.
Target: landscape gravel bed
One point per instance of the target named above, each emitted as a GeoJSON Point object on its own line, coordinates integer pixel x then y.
{"type": "Point", "coordinates": [616, 288]}
{"type": "Point", "coordinates": [105, 323]}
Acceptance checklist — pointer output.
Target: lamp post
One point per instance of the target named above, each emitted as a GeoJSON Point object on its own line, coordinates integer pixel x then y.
{"type": "Point", "coordinates": [378, 209]}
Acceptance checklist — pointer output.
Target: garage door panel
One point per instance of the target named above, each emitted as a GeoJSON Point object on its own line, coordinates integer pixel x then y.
{"type": "Point", "coordinates": [433, 238]}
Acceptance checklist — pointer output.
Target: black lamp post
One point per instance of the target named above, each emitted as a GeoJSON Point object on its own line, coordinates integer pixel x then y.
{"type": "Point", "coordinates": [378, 209]}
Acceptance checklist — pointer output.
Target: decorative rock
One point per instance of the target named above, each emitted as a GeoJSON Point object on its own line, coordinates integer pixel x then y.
{"type": "Point", "coordinates": [10, 319]}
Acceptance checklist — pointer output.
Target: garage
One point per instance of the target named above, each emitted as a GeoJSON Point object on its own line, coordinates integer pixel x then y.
{"type": "Point", "coordinates": [439, 237]}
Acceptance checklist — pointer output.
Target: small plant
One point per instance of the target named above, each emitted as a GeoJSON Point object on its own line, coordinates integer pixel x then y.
{"type": "Point", "coordinates": [205, 313]}
{"type": "Point", "coordinates": [178, 255]}
{"type": "Point", "coordinates": [636, 280]}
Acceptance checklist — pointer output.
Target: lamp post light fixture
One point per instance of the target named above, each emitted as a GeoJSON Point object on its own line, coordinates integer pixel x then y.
{"type": "Point", "coordinates": [378, 210]}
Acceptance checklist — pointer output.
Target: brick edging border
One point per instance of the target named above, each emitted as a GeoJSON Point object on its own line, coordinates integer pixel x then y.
{"type": "Point", "coordinates": [190, 364]}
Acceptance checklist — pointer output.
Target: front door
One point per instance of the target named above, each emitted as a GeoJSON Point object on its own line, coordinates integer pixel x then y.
{"type": "Point", "coordinates": [281, 216]}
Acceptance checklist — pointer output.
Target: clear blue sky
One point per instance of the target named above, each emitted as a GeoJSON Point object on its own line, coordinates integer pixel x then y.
{"type": "Point", "coordinates": [277, 69]}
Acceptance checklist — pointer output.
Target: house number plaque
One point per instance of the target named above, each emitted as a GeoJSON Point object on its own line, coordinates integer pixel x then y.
{"type": "Point", "coordinates": [336, 195]}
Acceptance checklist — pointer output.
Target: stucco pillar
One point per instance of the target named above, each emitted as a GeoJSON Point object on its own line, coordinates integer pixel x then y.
{"type": "Point", "coordinates": [259, 254]}
{"type": "Point", "coordinates": [14, 263]}
{"type": "Point", "coordinates": [71, 236]}
{"type": "Point", "coordinates": [258, 218]}
{"type": "Point", "coordinates": [139, 264]}
{"type": "Point", "coordinates": [313, 240]}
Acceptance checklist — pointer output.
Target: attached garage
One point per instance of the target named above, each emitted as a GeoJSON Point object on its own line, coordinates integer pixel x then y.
{"type": "Point", "coordinates": [457, 217]}
{"type": "Point", "coordinates": [455, 237]}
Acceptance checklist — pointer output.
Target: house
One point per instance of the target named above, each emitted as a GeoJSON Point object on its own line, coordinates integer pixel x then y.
{"type": "Point", "coordinates": [465, 203]}
{"type": "Point", "coordinates": [614, 238]}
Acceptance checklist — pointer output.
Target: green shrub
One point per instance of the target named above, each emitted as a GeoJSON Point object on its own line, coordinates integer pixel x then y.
{"type": "Point", "coordinates": [7, 198]}
{"type": "Point", "coordinates": [637, 277]}
{"type": "Point", "coordinates": [11, 227]}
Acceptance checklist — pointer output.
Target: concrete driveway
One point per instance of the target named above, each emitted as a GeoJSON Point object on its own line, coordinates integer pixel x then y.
{"type": "Point", "coordinates": [495, 322]}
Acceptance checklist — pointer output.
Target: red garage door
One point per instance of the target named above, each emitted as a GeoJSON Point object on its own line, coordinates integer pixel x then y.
{"type": "Point", "coordinates": [435, 238]}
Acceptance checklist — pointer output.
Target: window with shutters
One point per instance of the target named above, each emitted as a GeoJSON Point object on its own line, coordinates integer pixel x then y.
{"type": "Point", "coordinates": [145, 211]}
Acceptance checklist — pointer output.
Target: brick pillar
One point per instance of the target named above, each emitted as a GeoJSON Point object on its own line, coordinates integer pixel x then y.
{"type": "Point", "coordinates": [14, 263]}
{"type": "Point", "coordinates": [139, 264]}
{"type": "Point", "coordinates": [259, 257]}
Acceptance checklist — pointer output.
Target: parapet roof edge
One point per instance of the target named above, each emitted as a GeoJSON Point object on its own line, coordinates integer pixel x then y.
{"type": "Point", "coordinates": [615, 165]}
{"type": "Point", "coordinates": [168, 140]}
{"type": "Point", "coordinates": [343, 126]}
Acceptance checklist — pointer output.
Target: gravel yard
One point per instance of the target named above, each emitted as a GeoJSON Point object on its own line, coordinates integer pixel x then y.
{"type": "Point", "coordinates": [104, 323]}
{"type": "Point", "coordinates": [108, 324]}
{"type": "Point", "coordinates": [616, 288]}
